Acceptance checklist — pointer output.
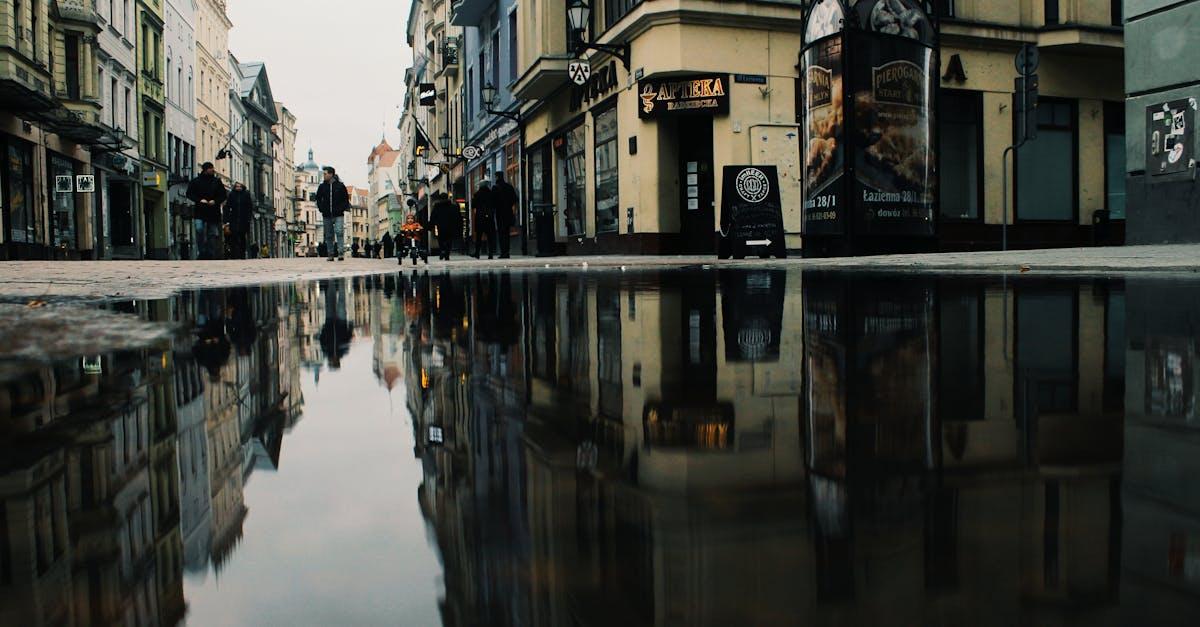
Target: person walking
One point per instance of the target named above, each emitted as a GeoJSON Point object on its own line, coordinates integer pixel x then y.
{"type": "Point", "coordinates": [207, 192]}
{"type": "Point", "coordinates": [447, 221]}
{"type": "Point", "coordinates": [485, 219]}
{"type": "Point", "coordinates": [333, 201]}
{"type": "Point", "coordinates": [239, 209]}
{"type": "Point", "coordinates": [504, 201]}
{"type": "Point", "coordinates": [389, 246]}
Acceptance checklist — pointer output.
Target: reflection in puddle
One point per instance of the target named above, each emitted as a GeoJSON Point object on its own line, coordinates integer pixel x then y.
{"type": "Point", "coordinates": [680, 447]}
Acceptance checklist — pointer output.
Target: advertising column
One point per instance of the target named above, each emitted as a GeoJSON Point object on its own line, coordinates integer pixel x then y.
{"type": "Point", "coordinates": [867, 117]}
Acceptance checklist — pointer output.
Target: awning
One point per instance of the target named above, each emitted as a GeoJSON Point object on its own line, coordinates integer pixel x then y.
{"type": "Point", "coordinates": [421, 141]}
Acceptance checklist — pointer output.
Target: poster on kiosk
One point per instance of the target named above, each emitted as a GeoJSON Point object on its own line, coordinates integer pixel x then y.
{"type": "Point", "coordinates": [868, 75]}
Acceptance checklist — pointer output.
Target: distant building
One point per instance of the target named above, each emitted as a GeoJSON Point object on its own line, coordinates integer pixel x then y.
{"type": "Point", "coordinates": [286, 220]}
{"type": "Point", "coordinates": [384, 179]}
{"type": "Point", "coordinates": [180, 36]}
{"type": "Point", "coordinates": [254, 90]}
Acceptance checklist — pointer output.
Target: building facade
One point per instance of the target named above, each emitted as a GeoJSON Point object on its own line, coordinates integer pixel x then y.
{"type": "Point", "coordinates": [286, 220]}
{"type": "Point", "coordinates": [1162, 83]}
{"type": "Point", "coordinates": [385, 196]}
{"type": "Point", "coordinates": [152, 105]}
{"type": "Point", "coordinates": [118, 184]}
{"type": "Point", "coordinates": [308, 179]}
{"type": "Point", "coordinates": [50, 110]}
{"type": "Point", "coordinates": [180, 36]}
{"type": "Point", "coordinates": [212, 90]}
{"type": "Point", "coordinates": [258, 148]}
{"type": "Point", "coordinates": [604, 167]}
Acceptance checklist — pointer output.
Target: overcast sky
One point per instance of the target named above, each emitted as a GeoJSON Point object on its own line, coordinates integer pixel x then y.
{"type": "Point", "coordinates": [338, 66]}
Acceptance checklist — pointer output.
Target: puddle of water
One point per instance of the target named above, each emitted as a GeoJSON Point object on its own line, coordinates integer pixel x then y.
{"type": "Point", "coordinates": [674, 447]}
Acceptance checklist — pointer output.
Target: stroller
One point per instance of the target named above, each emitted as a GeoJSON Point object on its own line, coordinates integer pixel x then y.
{"type": "Point", "coordinates": [412, 241]}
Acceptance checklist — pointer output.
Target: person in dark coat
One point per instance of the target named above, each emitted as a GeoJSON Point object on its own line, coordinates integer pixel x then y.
{"type": "Point", "coordinates": [389, 246]}
{"type": "Point", "coordinates": [448, 222]}
{"type": "Point", "coordinates": [485, 219]}
{"type": "Point", "coordinates": [207, 192]}
{"type": "Point", "coordinates": [239, 210]}
{"type": "Point", "coordinates": [504, 202]}
{"type": "Point", "coordinates": [333, 201]}
{"type": "Point", "coordinates": [354, 249]}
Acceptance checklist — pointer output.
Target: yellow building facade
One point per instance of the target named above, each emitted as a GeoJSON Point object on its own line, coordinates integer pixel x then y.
{"type": "Point", "coordinates": [609, 171]}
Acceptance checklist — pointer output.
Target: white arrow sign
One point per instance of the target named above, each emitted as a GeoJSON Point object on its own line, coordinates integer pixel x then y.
{"type": "Point", "coordinates": [580, 72]}
{"type": "Point", "coordinates": [758, 242]}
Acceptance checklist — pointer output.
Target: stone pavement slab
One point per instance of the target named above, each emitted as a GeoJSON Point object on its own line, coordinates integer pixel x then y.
{"type": "Point", "coordinates": [107, 280]}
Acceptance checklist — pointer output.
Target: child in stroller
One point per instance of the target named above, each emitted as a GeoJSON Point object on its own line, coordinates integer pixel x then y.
{"type": "Point", "coordinates": [412, 236]}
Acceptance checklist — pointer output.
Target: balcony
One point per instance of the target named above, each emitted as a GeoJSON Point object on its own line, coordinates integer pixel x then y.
{"type": "Point", "coordinates": [542, 78]}
{"type": "Point", "coordinates": [79, 11]}
{"type": "Point", "coordinates": [469, 12]}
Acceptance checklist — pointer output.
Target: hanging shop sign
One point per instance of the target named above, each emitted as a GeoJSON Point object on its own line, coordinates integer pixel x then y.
{"type": "Point", "coordinates": [427, 92]}
{"type": "Point", "coordinates": [752, 212]}
{"type": "Point", "coordinates": [471, 152]}
{"type": "Point", "coordinates": [1170, 137]}
{"type": "Point", "coordinates": [596, 86]}
{"type": "Point", "coordinates": [682, 95]}
{"type": "Point", "coordinates": [579, 71]}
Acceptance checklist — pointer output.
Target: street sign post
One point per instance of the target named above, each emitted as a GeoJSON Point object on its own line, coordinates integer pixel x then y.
{"type": "Point", "coordinates": [1025, 120]}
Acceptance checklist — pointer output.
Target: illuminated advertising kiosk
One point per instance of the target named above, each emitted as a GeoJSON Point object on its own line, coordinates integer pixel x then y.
{"type": "Point", "coordinates": [868, 73]}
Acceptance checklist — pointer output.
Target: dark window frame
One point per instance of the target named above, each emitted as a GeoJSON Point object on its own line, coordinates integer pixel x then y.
{"type": "Point", "coordinates": [1052, 12]}
{"type": "Point", "coordinates": [979, 293]}
{"type": "Point", "coordinates": [980, 166]}
{"type": "Point", "coordinates": [1016, 170]}
{"type": "Point", "coordinates": [1039, 287]}
{"type": "Point", "coordinates": [1113, 111]}
{"type": "Point", "coordinates": [609, 106]}
{"type": "Point", "coordinates": [616, 10]}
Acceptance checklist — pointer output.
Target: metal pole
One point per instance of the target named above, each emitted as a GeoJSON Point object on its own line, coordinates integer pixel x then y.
{"type": "Point", "coordinates": [521, 194]}
{"type": "Point", "coordinates": [1004, 202]}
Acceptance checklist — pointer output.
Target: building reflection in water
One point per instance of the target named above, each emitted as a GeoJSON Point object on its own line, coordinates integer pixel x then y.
{"type": "Point", "coordinates": [653, 448]}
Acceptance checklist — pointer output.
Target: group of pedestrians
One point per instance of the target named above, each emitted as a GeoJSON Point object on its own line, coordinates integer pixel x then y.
{"type": "Point", "coordinates": [220, 215]}
{"type": "Point", "coordinates": [495, 213]}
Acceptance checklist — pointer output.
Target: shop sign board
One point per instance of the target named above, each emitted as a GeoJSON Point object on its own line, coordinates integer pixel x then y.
{"type": "Point", "coordinates": [682, 95]}
{"type": "Point", "coordinates": [471, 152]}
{"type": "Point", "coordinates": [580, 72]}
{"type": "Point", "coordinates": [427, 93]}
{"type": "Point", "coordinates": [64, 184]}
{"type": "Point", "coordinates": [1170, 137]}
{"type": "Point", "coordinates": [85, 183]}
{"type": "Point", "coordinates": [751, 211]}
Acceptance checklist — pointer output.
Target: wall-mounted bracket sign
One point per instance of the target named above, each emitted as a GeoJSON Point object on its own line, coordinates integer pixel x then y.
{"type": "Point", "coordinates": [427, 94]}
{"type": "Point", "coordinates": [682, 95]}
{"type": "Point", "coordinates": [471, 152]}
{"type": "Point", "coordinates": [1170, 137]}
{"type": "Point", "coordinates": [595, 84]}
{"type": "Point", "coordinates": [752, 212]}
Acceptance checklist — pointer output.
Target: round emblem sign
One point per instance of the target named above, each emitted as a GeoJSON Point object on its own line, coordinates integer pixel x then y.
{"type": "Point", "coordinates": [471, 152]}
{"type": "Point", "coordinates": [752, 185]}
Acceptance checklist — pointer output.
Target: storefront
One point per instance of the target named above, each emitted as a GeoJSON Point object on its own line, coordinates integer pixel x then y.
{"type": "Point", "coordinates": [630, 161]}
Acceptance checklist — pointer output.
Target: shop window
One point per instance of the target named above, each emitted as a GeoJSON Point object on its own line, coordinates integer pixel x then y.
{"type": "Point", "coordinates": [18, 178]}
{"type": "Point", "coordinates": [1114, 351]}
{"type": "Point", "coordinates": [961, 392]}
{"type": "Point", "coordinates": [1046, 178]}
{"type": "Point", "coordinates": [1115, 9]}
{"type": "Point", "coordinates": [1114, 159]}
{"type": "Point", "coordinates": [512, 174]}
{"type": "Point", "coordinates": [607, 183]}
{"type": "Point", "coordinates": [614, 10]}
{"type": "Point", "coordinates": [960, 138]}
{"type": "Point", "coordinates": [575, 180]}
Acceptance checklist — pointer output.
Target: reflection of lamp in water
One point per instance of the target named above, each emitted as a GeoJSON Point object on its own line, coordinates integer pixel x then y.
{"type": "Point", "coordinates": [93, 365]}
{"type": "Point", "coordinates": [424, 379]}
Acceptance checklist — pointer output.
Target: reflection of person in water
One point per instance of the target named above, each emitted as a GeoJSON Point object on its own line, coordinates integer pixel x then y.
{"type": "Point", "coordinates": [337, 331]}
{"type": "Point", "coordinates": [211, 348]}
{"type": "Point", "coordinates": [448, 308]}
{"type": "Point", "coordinates": [496, 317]}
{"type": "Point", "coordinates": [243, 330]}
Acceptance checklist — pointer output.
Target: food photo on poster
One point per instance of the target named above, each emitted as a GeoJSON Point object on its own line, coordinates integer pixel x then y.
{"type": "Point", "coordinates": [893, 121]}
{"type": "Point", "coordinates": [824, 133]}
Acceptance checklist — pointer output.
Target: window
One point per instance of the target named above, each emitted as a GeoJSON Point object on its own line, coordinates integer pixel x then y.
{"type": "Point", "coordinates": [470, 99]}
{"type": "Point", "coordinates": [512, 46]}
{"type": "Point", "coordinates": [481, 67]}
{"type": "Point", "coordinates": [112, 96]}
{"type": "Point", "coordinates": [1046, 345]}
{"type": "Point", "coordinates": [128, 108]}
{"type": "Point", "coordinates": [62, 205]}
{"type": "Point", "coordinates": [960, 341]}
{"type": "Point", "coordinates": [170, 96]}
{"type": "Point", "coordinates": [614, 10]}
{"type": "Point", "coordinates": [607, 183]}
{"type": "Point", "coordinates": [1114, 159]}
{"type": "Point", "coordinates": [1118, 17]}
{"type": "Point", "coordinates": [1046, 179]}
{"type": "Point", "coordinates": [1051, 11]}
{"type": "Point", "coordinates": [960, 138]}
{"type": "Point", "coordinates": [608, 351]}
{"type": "Point", "coordinates": [575, 180]}
{"type": "Point", "coordinates": [496, 59]}
{"type": "Point", "coordinates": [18, 205]}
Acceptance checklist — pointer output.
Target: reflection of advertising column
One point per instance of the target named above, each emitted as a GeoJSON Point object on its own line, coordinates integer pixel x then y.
{"type": "Point", "coordinates": [867, 74]}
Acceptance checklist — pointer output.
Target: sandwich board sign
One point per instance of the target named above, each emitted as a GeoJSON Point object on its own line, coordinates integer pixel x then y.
{"type": "Point", "coordinates": [752, 212]}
